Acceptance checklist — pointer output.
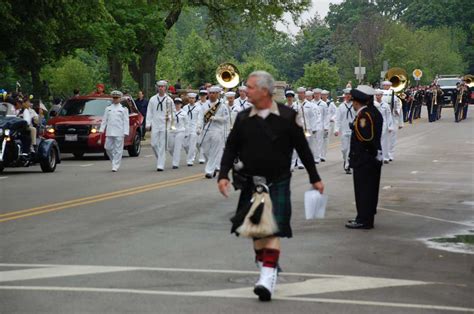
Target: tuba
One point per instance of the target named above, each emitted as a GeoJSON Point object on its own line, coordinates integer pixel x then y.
{"type": "Point", "coordinates": [469, 79]}
{"type": "Point", "coordinates": [227, 75]}
{"type": "Point", "coordinates": [399, 79]}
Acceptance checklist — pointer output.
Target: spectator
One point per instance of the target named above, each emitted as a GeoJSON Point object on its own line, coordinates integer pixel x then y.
{"type": "Point", "coordinates": [178, 84]}
{"type": "Point", "coordinates": [76, 92]}
{"type": "Point", "coordinates": [100, 88]}
{"type": "Point", "coordinates": [142, 105]}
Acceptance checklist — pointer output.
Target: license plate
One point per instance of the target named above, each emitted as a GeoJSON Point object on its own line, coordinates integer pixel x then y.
{"type": "Point", "coordinates": [71, 138]}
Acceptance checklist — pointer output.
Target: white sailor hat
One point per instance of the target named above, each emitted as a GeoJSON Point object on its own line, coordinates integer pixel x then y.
{"type": "Point", "coordinates": [290, 93]}
{"type": "Point", "coordinates": [378, 92]}
{"type": "Point", "coordinates": [214, 89]}
{"type": "Point", "coordinates": [324, 92]}
{"type": "Point", "coordinates": [385, 83]}
{"type": "Point", "coordinates": [243, 88]}
{"type": "Point", "coordinates": [178, 100]}
{"type": "Point", "coordinates": [203, 91]}
{"type": "Point", "coordinates": [346, 91]}
{"type": "Point", "coordinates": [309, 93]}
{"type": "Point", "coordinates": [362, 93]}
{"type": "Point", "coordinates": [301, 90]}
{"type": "Point", "coordinates": [161, 83]}
{"type": "Point", "coordinates": [116, 94]}
{"type": "Point", "coordinates": [230, 94]}
{"type": "Point", "coordinates": [192, 95]}
{"type": "Point", "coordinates": [317, 90]}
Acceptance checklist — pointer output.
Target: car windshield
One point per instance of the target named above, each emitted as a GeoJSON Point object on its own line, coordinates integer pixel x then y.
{"type": "Point", "coordinates": [84, 107]}
{"type": "Point", "coordinates": [448, 82]}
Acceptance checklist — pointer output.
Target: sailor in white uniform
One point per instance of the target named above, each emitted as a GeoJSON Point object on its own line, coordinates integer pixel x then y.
{"type": "Point", "coordinates": [387, 127]}
{"type": "Point", "coordinates": [330, 117]}
{"type": "Point", "coordinates": [391, 98]}
{"type": "Point", "coordinates": [194, 113]}
{"type": "Point", "coordinates": [345, 115]}
{"type": "Point", "coordinates": [242, 102]}
{"type": "Point", "coordinates": [203, 102]}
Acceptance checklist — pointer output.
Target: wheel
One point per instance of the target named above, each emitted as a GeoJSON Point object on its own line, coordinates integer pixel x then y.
{"type": "Point", "coordinates": [106, 157]}
{"type": "Point", "coordinates": [135, 149]}
{"type": "Point", "coordinates": [78, 155]}
{"type": "Point", "coordinates": [49, 164]}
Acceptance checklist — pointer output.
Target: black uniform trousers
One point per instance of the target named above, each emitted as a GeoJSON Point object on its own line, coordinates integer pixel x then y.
{"type": "Point", "coordinates": [366, 187]}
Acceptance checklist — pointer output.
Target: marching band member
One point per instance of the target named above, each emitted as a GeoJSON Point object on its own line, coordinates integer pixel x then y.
{"type": "Point", "coordinates": [160, 109]}
{"type": "Point", "coordinates": [216, 119]}
{"type": "Point", "coordinates": [395, 104]}
{"type": "Point", "coordinates": [387, 127]}
{"type": "Point", "coordinates": [115, 123]}
{"type": "Point", "coordinates": [310, 112]}
{"type": "Point", "coordinates": [323, 122]}
{"type": "Point", "coordinates": [233, 109]}
{"type": "Point", "coordinates": [194, 113]}
{"type": "Point", "coordinates": [331, 116]}
{"type": "Point", "coordinates": [243, 102]}
{"type": "Point", "coordinates": [344, 117]}
{"type": "Point", "coordinates": [177, 134]}
{"type": "Point", "coordinates": [203, 102]}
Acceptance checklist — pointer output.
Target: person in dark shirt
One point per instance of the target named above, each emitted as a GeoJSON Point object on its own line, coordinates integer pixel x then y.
{"type": "Point", "coordinates": [262, 139]}
{"type": "Point", "coordinates": [142, 105]}
{"type": "Point", "coordinates": [365, 157]}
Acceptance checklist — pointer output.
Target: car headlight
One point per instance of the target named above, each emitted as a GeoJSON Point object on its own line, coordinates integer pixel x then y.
{"type": "Point", "coordinates": [6, 132]}
{"type": "Point", "coordinates": [95, 129]}
{"type": "Point", "coordinates": [50, 129]}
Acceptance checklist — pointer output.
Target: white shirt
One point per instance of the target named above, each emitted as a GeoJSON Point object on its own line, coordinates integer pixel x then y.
{"type": "Point", "coordinates": [384, 110]}
{"type": "Point", "coordinates": [195, 117]}
{"type": "Point", "coordinates": [323, 118]}
{"type": "Point", "coordinates": [397, 116]}
{"type": "Point", "coordinates": [115, 121]}
{"type": "Point", "coordinates": [242, 104]}
{"type": "Point", "coordinates": [345, 115]}
{"type": "Point", "coordinates": [180, 121]}
{"type": "Point", "coordinates": [220, 120]}
{"type": "Point", "coordinates": [159, 107]}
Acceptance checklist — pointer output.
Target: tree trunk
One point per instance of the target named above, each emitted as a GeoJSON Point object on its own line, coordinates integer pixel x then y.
{"type": "Point", "coordinates": [115, 72]}
{"type": "Point", "coordinates": [144, 72]}
{"type": "Point", "coordinates": [36, 82]}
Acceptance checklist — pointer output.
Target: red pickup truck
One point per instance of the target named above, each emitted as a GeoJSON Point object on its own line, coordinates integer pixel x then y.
{"type": "Point", "coordinates": [76, 127]}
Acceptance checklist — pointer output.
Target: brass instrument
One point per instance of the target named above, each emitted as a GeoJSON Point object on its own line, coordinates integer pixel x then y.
{"type": "Point", "coordinates": [469, 79]}
{"type": "Point", "coordinates": [211, 112]}
{"type": "Point", "coordinates": [228, 75]}
{"type": "Point", "coordinates": [434, 100]}
{"type": "Point", "coordinates": [399, 79]}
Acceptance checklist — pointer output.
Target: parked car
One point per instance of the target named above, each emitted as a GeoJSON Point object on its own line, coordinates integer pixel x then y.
{"type": "Point", "coordinates": [447, 83]}
{"type": "Point", "coordinates": [76, 127]}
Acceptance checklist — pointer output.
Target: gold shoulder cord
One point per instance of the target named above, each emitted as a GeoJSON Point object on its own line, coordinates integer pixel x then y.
{"type": "Point", "coordinates": [359, 135]}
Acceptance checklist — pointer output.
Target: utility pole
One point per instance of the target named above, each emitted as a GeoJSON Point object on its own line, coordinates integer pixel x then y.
{"type": "Point", "coordinates": [360, 66]}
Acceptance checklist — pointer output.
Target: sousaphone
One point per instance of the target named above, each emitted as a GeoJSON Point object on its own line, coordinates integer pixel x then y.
{"type": "Point", "coordinates": [227, 75]}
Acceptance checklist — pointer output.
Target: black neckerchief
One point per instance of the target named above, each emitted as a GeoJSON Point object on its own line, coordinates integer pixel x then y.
{"type": "Point", "coordinates": [177, 116]}
{"type": "Point", "coordinates": [190, 111]}
{"type": "Point", "coordinates": [349, 111]}
{"type": "Point", "coordinates": [160, 102]}
{"type": "Point", "coordinates": [242, 104]}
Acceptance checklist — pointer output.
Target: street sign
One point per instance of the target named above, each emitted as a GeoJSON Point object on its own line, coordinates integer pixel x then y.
{"type": "Point", "coordinates": [417, 74]}
{"type": "Point", "coordinates": [359, 70]}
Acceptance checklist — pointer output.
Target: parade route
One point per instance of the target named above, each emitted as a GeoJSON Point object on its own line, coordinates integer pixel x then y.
{"type": "Point", "coordinates": [86, 240]}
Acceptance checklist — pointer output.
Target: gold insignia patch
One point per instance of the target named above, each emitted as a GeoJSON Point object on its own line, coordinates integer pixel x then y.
{"type": "Point", "coordinates": [362, 122]}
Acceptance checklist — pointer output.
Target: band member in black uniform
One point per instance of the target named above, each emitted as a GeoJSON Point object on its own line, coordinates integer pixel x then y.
{"type": "Point", "coordinates": [263, 139]}
{"type": "Point", "coordinates": [434, 99]}
{"type": "Point", "coordinates": [365, 157]}
{"type": "Point", "coordinates": [460, 101]}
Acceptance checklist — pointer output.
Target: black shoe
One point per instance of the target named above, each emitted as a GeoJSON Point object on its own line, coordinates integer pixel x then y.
{"type": "Point", "coordinates": [190, 165]}
{"type": "Point", "coordinates": [208, 176]}
{"type": "Point", "coordinates": [263, 293]}
{"type": "Point", "coordinates": [390, 159]}
{"type": "Point", "coordinates": [348, 171]}
{"type": "Point", "coordinates": [300, 167]}
{"type": "Point", "coordinates": [352, 221]}
{"type": "Point", "coordinates": [175, 167]}
{"type": "Point", "coordinates": [159, 169]}
{"type": "Point", "coordinates": [358, 225]}
{"type": "Point", "coordinates": [201, 162]}
{"type": "Point", "coordinates": [385, 161]}
{"type": "Point", "coordinates": [323, 160]}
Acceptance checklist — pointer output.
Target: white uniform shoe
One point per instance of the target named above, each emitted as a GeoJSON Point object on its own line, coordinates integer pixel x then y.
{"type": "Point", "coordinates": [265, 286]}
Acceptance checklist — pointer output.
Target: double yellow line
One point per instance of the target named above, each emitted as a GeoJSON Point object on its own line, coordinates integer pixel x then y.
{"type": "Point", "coordinates": [95, 198]}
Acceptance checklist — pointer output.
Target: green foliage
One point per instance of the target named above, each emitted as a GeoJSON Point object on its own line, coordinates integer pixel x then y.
{"type": "Point", "coordinates": [198, 61]}
{"type": "Point", "coordinates": [168, 64]}
{"type": "Point", "coordinates": [256, 62]}
{"type": "Point", "coordinates": [321, 75]}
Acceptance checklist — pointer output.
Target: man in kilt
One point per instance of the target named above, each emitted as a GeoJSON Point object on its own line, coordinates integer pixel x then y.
{"type": "Point", "coordinates": [262, 141]}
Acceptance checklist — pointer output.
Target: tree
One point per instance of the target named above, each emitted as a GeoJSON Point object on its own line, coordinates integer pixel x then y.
{"type": "Point", "coordinates": [198, 61]}
{"type": "Point", "coordinates": [36, 33]}
{"type": "Point", "coordinates": [256, 62]}
{"type": "Point", "coordinates": [321, 75]}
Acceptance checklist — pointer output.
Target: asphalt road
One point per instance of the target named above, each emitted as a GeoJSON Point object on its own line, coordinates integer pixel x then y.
{"type": "Point", "coordinates": [84, 239]}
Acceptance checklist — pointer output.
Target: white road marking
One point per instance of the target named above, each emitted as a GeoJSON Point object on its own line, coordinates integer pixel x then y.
{"type": "Point", "coordinates": [414, 172]}
{"type": "Point", "coordinates": [387, 187]}
{"type": "Point", "coordinates": [275, 297]}
{"type": "Point", "coordinates": [1, 178]}
{"type": "Point", "coordinates": [86, 165]}
{"type": "Point", "coordinates": [468, 203]}
{"type": "Point", "coordinates": [426, 217]}
{"type": "Point", "coordinates": [435, 160]}
{"type": "Point", "coordinates": [148, 156]}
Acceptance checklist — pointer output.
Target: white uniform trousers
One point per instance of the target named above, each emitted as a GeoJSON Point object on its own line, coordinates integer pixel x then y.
{"type": "Point", "coordinates": [190, 146]}
{"type": "Point", "coordinates": [392, 142]}
{"type": "Point", "coordinates": [313, 145]}
{"type": "Point", "coordinates": [201, 157]}
{"type": "Point", "coordinates": [158, 143]}
{"type": "Point", "coordinates": [384, 141]}
{"type": "Point", "coordinates": [175, 144]}
{"type": "Point", "coordinates": [345, 149]}
{"type": "Point", "coordinates": [212, 147]}
{"type": "Point", "coordinates": [114, 148]}
{"type": "Point", "coordinates": [324, 148]}
{"type": "Point", "coordinates": [319, 143]}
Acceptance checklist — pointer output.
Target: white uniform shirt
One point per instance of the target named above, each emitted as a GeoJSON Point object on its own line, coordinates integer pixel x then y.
{"type": "Point", "coordinates": [115, 121]}
{"type": "Point", "coordinates": [194, 114]}
{"type": "Point", "coordinates": [158, 109]}
{"type": "Point", "coordinates": [345, 114]}
{"type": "Point", "coordinates": [397, 115]}
{"type": "Point", "coordinates": [310, 112]}
{"type": "Point", "coordinates": [384, 110]}
{"type": "Point", "coordinates": [323, 114]}
{"type": "Point", "coordinates": [332, 110]}
{"type": "Point", "coordinates": [242, 104]}
{"type": "Point", "coordinates": [220, 120]}
{"type": "Point", "coordinates": [180, 121]}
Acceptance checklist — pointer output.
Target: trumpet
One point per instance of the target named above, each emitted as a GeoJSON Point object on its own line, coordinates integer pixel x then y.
{"type": "Point", "coordinates": [307, 133]}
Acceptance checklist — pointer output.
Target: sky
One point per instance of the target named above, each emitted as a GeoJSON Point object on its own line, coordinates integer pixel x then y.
{"type": "Point", "coordinates": [319, 6]}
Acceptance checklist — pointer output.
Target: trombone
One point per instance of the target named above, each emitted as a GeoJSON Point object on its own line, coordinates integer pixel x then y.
{"type": "Point", "coordinates": [307, 133]}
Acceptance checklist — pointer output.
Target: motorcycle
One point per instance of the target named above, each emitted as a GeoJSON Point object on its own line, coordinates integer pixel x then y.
{"type": "Point", "coordinates": [15, 140]}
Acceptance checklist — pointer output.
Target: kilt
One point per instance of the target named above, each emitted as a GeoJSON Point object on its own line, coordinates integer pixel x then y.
{"type": "Point", "coordinates": [281, 203]}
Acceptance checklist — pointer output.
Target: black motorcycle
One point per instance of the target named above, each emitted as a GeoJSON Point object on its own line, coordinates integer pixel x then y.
{"type": "Point", "coordinates": [15, 149]}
